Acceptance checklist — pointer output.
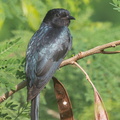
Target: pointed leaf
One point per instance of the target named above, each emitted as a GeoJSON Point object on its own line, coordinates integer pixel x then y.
{"type": "Point", "coordinates": [100, 112]}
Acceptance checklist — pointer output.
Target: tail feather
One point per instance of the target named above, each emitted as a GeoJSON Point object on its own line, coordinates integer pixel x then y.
{"type": "Point", "coordinates": [32, 92]}
{"type": "Point", "coordinates": [35, 108]}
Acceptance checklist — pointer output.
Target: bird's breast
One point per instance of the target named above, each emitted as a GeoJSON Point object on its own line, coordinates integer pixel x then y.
{"type": "Point", "coordinates": [56, 40]}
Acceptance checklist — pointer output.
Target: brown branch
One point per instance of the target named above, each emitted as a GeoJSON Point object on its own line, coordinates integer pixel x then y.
{"type": "Point", "coordinates": [96, 50]}
{"type": "Point", "coordinates": [11, 92]}
{"type": "Point", "coordinates": [110, 52]}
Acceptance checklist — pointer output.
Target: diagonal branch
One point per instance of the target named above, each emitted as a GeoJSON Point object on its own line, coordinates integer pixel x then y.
{"type": "Point", "coordinates": [11, 92]}
{"type": "Point", "coordinates": [96, 50]}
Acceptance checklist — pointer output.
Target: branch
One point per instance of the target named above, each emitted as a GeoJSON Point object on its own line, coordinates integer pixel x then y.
{"type": "Point", "coordinates": [11, 92]}
{"type": "Point", "coordinates": [96, 50]}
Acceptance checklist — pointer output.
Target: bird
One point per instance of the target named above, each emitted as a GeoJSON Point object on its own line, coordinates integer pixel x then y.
{"type": "Point", "coordinates": [46, 50]}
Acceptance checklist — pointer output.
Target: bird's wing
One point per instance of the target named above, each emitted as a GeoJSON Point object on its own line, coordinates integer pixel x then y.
{"type": "Point", "coordinates": [45, 53]}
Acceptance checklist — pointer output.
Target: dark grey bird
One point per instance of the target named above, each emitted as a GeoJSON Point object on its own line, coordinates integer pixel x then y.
{"type": "Point", "coordinates": [46, 50]}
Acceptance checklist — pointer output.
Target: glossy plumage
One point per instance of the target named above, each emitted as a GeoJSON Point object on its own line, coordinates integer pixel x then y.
{"type": "Point", "coordinates": [46, 50]}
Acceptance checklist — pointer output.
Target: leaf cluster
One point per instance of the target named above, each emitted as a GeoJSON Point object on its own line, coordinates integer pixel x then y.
{"type": "Point", "coordinates": [116, 4]}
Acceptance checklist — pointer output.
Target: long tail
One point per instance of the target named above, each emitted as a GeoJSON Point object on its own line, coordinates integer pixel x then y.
{"type": "Point", "coordinates": [35, 108]}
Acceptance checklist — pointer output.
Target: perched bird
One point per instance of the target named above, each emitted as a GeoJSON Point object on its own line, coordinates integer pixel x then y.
{"type": "Point", "coordinates": [46, 50]}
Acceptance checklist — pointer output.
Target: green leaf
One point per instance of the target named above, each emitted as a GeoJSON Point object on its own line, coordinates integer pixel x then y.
{"type": "Point", "coordinates": [115, 2]}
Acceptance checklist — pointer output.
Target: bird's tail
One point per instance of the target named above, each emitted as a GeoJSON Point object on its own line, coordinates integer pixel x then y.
{"type": "Point", "coordinates": [35, 108]}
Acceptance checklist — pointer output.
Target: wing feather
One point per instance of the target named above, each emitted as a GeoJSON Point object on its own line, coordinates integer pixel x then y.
{"type": "Point", "coordinates": [46, 51]}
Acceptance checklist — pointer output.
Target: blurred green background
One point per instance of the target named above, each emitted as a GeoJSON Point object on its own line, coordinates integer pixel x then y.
{"type": "Point", "coordinates": [96, 24]}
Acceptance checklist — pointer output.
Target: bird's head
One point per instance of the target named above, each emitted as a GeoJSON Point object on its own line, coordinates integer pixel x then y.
{"type": "Point", "coordinates": [58, 17]}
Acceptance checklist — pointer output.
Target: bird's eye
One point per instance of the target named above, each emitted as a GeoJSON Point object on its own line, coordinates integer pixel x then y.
{"type": "Point", "coordinates": [57, 15]}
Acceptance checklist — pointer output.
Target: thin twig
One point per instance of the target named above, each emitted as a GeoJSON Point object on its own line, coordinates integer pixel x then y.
{"type": "Point", "coordinates": [87, 76]}
{"type": "Point", "coordinates": [100, 112]}
{"type": "Point", "coordinates": [110, 52]}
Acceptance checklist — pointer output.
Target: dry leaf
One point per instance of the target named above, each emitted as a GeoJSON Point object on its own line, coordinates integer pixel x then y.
{"type": "Point", "coordinates": [100, 112]}
{"type": "Point", "coordinates": [64, 104]}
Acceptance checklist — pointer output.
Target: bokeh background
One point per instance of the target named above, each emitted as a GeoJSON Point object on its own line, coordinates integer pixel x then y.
{"type": "Point", "coordinates": [96, 23]}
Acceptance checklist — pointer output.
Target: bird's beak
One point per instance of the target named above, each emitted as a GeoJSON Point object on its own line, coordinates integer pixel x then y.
{"type": "Point", "coordinates": [71, 18]}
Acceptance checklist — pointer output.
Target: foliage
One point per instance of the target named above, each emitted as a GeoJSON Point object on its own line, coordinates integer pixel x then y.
{"type": "Point", "coordinates": [104, 12]}
{"type": "Point", "coordinates": [93, 26]}
{"type": "Point", "coordinates": [116, 4]}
